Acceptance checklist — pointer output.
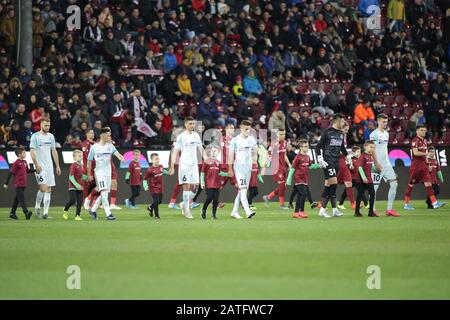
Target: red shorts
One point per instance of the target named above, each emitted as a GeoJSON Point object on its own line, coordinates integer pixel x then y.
{"type": "Point", "coordinates": [418, 175]}
{"type": "Point", "coordinates": [344, 175]}
{"type": "Point", "coordinates": [224, 180]}
{"type": "Point", "coordinates": [280, 176]}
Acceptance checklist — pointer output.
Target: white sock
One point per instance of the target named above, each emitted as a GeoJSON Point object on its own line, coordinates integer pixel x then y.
{"type": "Point", "coordinates": [104, 195]}
{"type": "Point", "coordinates": [237, 200]}
{"type": "Point", "coordinates": [392, 193]}
{"type": "Point", "coordinates": [244, 201]}
{"type": "Point", "coordinates": [39, 196]}
{"type": "Point", "coordinates": [186, 200]}
{"type": "Point", "coordinates": [97, 203]}
{"type": "Point", "coordinates": [335, 210]}
{"type": "Point", "coordinates": [47, 198]}
{"type": "Point", "coordinates": [375, 187]}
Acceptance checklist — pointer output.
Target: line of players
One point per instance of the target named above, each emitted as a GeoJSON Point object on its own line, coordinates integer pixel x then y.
{"type": "Point", "coordinates": [93, 174]}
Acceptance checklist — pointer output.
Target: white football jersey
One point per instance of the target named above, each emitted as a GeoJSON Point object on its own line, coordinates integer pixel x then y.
{"type": "Point", "coordinates": [188, 145]}
{"type": "Point", "coordinates": [43, 145]}
{"type": "Point", "coordinates": [381, 140]}
{"type": "Point", "coordinates": [242, 148]}
{"type": "Point", "coordinates": [102, 154]}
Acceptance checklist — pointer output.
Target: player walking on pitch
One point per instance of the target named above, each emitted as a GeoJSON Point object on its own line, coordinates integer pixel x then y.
{"type": "Point", "coordinates": [419, 170]}
{"type": "Point", "coordinates": [381, 139]}
{"type": "Point", "coordinates": [101, 152]}
{"type": "Point", "coordinates": [188, 143]}
{"type": "Point", "coordinates": [279, 160]}
{"type": "Point", "coordinates": [243, 154]}
{"type": "Point", "coordinates": [330, 145]}
{"type": "Point", "coordinates": [42, 150]}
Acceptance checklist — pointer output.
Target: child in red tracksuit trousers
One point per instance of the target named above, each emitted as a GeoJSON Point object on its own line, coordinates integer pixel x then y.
{"type": "Point", "coordinates": [19, 170]}
{"type": "Point", "coordinates": [153, 183]}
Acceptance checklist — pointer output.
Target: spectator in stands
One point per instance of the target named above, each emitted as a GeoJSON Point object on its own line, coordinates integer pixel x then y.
{"type": "Point", "coordinates": [416, 119]}
{"type": "Point", "coordinates": [5, 117]}
{"type": "Point", "coordinates": [319, 101]}
{"type": "Point", "coordinates": [281, 43]}
{"type": "Point", "coordinates": [364, 113]}
{"type": "Point", "coordinates": [336, 100]}
{"type": "Point", "coordinates": [396, 14]}
{"type": "Point", "coordinates": [62, 124]}
{"type": "Point", "coordinates": [277, 121]}
{"type": "Point", "coordinates": [251, 84]}
{"type": "Point", "coordinates": [435, 114]}
{"type": "Point", "coordinates": [412, 88]}
{"type": "Point", "coordinates": [293, 125]}
{"type": "Point", "coordinates": [170, 60]}
{"type": "Point", "coordinates": [343, 66]}
{"type": "Point", "coordinates": [20, 115]}
{"type": "Point", "coordinates": [184, 84]}
{"type": "Point", "coordinates": [9, 31]}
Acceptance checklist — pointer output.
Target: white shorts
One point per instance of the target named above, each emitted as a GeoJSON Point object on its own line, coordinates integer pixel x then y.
{"type": "Point", "coordinates": [243, 176]}
{"type": "Point", "coordinates": [387, 173]}
{"type": "Point", "coordinates": [103, 182]}
{"type": "Point", "coordinates": [188, 175]}
{"type": "Point", "coordinates": [47, 177]}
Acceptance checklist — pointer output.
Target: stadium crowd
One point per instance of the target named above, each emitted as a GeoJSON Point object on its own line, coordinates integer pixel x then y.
{"type": "Point", "coordinates": [141, 67]}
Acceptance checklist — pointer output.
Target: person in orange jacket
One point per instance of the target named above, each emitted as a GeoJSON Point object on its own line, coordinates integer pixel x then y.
{"type": "Point", "coordinates": [364, 113]}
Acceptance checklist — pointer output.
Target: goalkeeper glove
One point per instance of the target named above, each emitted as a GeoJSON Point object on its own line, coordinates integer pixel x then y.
{"type": "Point", "coordinates": [260, 178]}
{"type": "Point", "coordinates": [323, 164]}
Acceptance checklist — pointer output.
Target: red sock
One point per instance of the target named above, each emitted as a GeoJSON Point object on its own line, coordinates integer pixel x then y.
{"type": "Point", "coordinates": [350, 195]}
{"type": "Point", "coordinates": [273, 194]}
{"type": "Point", "coordinates": [85, 190]}
{"type": "Point", "coordinates": [94, 194]}
{"type": "Point", "coordinates": [113, 196]}
{"type": "Point", "coordinates": [408, 193]}
{"type": "Point", "coordinates": [176, 191]}
{"type": "Point", "coordinates": [282, 192]}
{"type": "Point", "coordinates": [430, 194]}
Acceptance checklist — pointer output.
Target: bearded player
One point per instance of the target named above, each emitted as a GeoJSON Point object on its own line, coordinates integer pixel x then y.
{"type": "Point", "coordinates": [42, 150]}
{"type": "Point", "coordinates": [188, 144]}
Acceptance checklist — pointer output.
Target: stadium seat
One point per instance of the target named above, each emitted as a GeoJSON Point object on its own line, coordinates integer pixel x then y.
{"type": "Point", "coordinates": [401, 136]}
{"type": "Point", "coordinates": [392, 136]}
{"type": "Point", "coordinates": [302, 88]}
{"type": "Point", "coordinates": [388, 100]}
{"type": "Point", "coordinates": [404, 124]}
{"type": "Point", "coordinates": [446, 138]}
{"type": "Point", "coordinates": [437, 140]}
{"type": "Point", "coordinates": [388, 111]}
{"type": "Point", "coordinates": [408, 112]}
{"type": "Point", "coordinates": [400, 100]}
{"type": "Point", "coordinates": [397, 113]}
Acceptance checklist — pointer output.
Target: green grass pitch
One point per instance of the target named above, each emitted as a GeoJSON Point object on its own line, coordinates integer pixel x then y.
{"type": "Point", "coordinates": [269, 257]}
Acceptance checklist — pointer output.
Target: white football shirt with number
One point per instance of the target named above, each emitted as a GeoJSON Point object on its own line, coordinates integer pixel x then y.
{"type": "Point", "coordinates": [43, 145]}
{"type": "Point", "coordinates": [102, 155]}
{"type": "Point", "coordinates": [243, 149]}
{"type": "Point", "coordinates": [188, 145]}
